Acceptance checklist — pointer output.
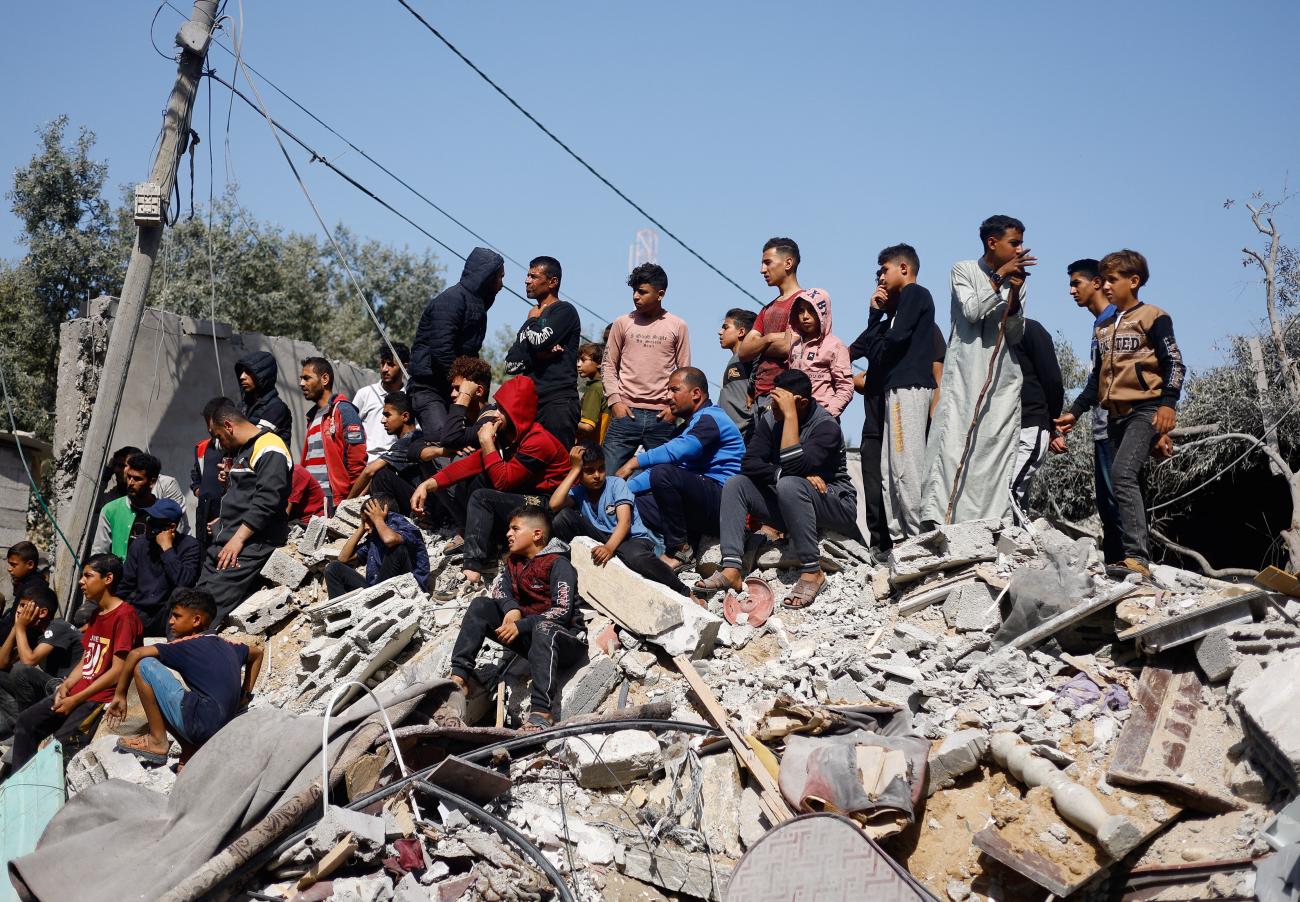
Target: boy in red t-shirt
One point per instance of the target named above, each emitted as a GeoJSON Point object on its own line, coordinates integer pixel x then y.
{"type": "Point", "coordinates": [112, 632]}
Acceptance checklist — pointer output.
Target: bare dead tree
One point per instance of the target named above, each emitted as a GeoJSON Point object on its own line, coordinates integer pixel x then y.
{"type": "Point", "coordinates": [1261, 215]}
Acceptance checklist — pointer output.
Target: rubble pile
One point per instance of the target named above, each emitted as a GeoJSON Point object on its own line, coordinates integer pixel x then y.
{"type": "Point", "coordinates": [1002, 718]}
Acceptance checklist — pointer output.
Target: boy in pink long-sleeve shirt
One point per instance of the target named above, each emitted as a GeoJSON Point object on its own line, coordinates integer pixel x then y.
{"type": "Point", "coordinates": [644, 348]}
{"type": "Point", "coordinates": [820, 354]}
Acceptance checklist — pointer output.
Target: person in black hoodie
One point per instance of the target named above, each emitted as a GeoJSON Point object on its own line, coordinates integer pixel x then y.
{"type": "Point", "coordinates": [1041, 396]}
{"type": "Point", "coordinates": [794, 476]}
{"type": "Point", "coordinates": [452, 325]}
{"type": "Point", "coordinates": [260, 402]}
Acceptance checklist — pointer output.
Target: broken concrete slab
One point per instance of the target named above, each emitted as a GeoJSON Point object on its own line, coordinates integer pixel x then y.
{"type": "Point", "coordinates": [958, 754]}
{"type": "Point", "coordinates": [587, 688]}
{"type": "Point", "coordinates": [1173, 741]}
{"type": "Point", "coordinates": [260, 612]}
{"type": "Point", "coordinates": [376, 888]}
{"type": "Point", "coordinates": [1220, 650]}
{"type": "Point", "coordinates": [1267, 708]}
{"type": "Point", "coordinates": [1234, 605]}
{"type": "Point", "coordinates": [635, 603]}
{"type": "Point", "coordinates": [697, 634]}
{"type": "Point", "coordinates": [954, 545]}
{"type": "Point", "coordinates": [970, 608]}
{"type": "Point", "coordinates": [284, 569]}
{"type": "Point", "coordinates": [677, 870]}
{"type": "Point", "coordinates": [314, 536]}
{"type": "Point", "coordinates": [336, 616]}
{"type": "Point", "coordinates": [100, 761]}
{"type": "Point", "coordinates": [719, 789]}
{"type": "Point", "coordinates": [338, 822]}
{"type": "Point", "coordinates": [377, 638]}
{"type": "Point", "coordinates": [610, 760]}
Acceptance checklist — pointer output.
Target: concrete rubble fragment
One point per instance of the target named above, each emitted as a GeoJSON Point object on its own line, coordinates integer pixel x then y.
{"type": "Point", "coordinates": [262, 610]}
{"type": "Point", "coordinates": [284, 569]}
{"type": "Point", "coordinates": [1268, 712]}
{"type": "Point", "coordinates": [612, 759]}
{"type": "Point", "coordinates": [957, 755]}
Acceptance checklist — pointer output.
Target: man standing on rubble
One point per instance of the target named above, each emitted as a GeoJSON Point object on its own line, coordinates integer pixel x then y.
{"type": "Point", "coordinates": [260, 401]}
{"type": "Point", "coordinates": [452, 325]}
{"type": "Point", "coordinates": [253, 522]}
{"type": "Point", "coordinates": [972, 445]}
{"type": "Point", "coordinates": [334, 451]}
{"type": "Point", "coordinates": [546, 348]}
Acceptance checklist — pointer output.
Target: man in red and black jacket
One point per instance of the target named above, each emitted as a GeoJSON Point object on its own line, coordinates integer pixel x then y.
{"type": "Point", "coordinates": [334, 451]}
{"type": "Point", "coordinates": [517, 461]}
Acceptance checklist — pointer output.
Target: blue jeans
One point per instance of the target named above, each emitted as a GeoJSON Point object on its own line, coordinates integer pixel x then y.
{"type": "Point", "coordinates": [167, 690]}
{"type": "Point", "coordinates": [1112, 546]}
{"type": "Point", "coordinates": [643, 429]}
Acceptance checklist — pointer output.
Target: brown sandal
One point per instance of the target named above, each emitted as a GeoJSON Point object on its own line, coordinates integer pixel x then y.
{"type": "Point", "coordinates": [803, 593]}
{"type": "Point", "coordinates": [711, 585]}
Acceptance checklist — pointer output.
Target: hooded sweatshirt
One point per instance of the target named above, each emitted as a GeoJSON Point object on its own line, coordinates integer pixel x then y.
{"type": "Point", "coordinates": [263, 405]}
{"type": "Point", "coordinates": [534, 460]}
{"type": "Point", "coordinates": [824, 358]}
{"type": "Point", "coordinates": [455, 322]}
{"type": "Point", "coordinates": [545, 585]}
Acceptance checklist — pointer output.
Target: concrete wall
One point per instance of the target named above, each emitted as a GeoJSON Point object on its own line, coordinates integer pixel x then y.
{"type": "Point", "coordinates": [15, 492]}
{"type": "Point", "coordinates": [173, 373]}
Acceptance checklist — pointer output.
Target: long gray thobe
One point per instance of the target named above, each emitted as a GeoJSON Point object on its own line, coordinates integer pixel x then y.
{"type": "Point", "coordinates": [977, 311]}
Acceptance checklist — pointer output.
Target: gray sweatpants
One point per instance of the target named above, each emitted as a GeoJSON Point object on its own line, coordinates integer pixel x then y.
{"type": "Point", "coordinates": [1030, 454]}
{"type": "Point", "coordinates": [902, 458]}
{"type": "Point", "coordinates": [793, 506]}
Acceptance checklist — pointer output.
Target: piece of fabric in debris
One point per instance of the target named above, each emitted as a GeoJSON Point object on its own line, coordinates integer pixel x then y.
{"type": "Point", "coordinates": [119, 840]}
{"type": "Point", "coordinates": [1037, 594]}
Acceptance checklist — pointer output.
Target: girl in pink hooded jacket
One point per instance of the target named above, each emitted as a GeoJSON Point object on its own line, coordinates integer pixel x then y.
{"type": "Point", "coordinates": [820, 354]}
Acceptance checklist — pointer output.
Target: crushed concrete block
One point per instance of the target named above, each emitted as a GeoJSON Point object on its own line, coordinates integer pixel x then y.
{"type": "Point", "coordinates": [100, 761]}
{"type": "Point", "coordinates": [408, 889]}
{"type": "Point", "coordinates": [959, 754]}
{"type": "Point", "coordinates": [696, 636]}
{"type": "Point", "coordinates": [587, 689]}
{"type": "Point", "coordinates": [262, 610]}
{"type": "Point", "coordinates": [367, 829]}
{"type": "Point", "coordinates": [677, 870]}
{"type": "Point", "coordinates": [1247, 782]}
{"type": "Point", "coordinates": [339, 615]}
{"type": "Point", "coordinates": [636, 664]}
{"type": "Point", "coordinates": [954, 545]}
{"type": "Point", "coordinates": [969, 608]}
{"type": "Point", "coordinates": [1217, 655]}
{"type": "Point", "coordinates": [647, 608]}
{"type": "Point", "coordinates": [1267, 708]}
{"type": "Point", "coordinates": [376, 888]}
{"type": "Point", "coordinates": [753, 822]}
{"type": "Point", "coordinates": [720, 788]}
{"type": "Point", "coordinates": [348, 514]}
{"type": "Point", "coordinates": [314, 536]}
{"type": "Point", "coordinates": [843, 690]}
{"type": "Point", "coordinates": [611, 760]}
{"type": "Point", "coordinates": [309, 658]}
{"type": "Point", "coordinates": [1221, 650]}
{"type": "Point", "coordinates": [284, 569]}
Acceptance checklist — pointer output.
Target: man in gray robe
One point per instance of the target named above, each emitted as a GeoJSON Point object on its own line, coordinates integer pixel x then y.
{"type": "Point", "coordinates": [971, 449]}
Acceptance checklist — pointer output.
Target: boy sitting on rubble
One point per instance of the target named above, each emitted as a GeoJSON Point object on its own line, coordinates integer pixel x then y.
{"type": "Point", "coordinates": [396, 469]}
{"type": "Point", "coordinates": [530, 610]}
{"type": "Point", "coordinates": [603, 508]}
{"type": "Point", "coordinates": [37, 654]}
{"type": "Point", "coordinates": [389, 544]}
{"type": "Point", "coordinates": [211, 667]}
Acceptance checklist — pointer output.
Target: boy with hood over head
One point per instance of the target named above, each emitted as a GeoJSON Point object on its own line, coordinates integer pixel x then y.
{"type": "Point", "coordinates": [259, 401]}
{"type": "Point", "coordinates": [453, 325]}
{"type": "Point", "coordinates": [820, 354]}
{"type": "Point", "coordinates": [530, 610]}
{"type": "Point", "coordinates": [517, 459]}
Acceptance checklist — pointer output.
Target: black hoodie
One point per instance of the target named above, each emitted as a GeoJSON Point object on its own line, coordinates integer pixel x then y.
{"type": "Point", "coordinates": [262, 405]}
{"type": "Point", "coordinates": [454, 323]}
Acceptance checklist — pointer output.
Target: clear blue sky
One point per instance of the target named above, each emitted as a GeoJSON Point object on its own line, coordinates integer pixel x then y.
{"type": "Point", "coordinates": [848, 126]}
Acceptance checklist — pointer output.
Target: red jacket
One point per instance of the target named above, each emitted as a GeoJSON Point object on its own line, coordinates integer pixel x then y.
{"type": "Point", "coordinates": [344, 439]}
{"type": "Point", "coordinates": [534, 461]}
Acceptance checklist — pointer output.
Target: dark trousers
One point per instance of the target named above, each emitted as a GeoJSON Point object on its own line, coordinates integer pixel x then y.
{"type": "Point", "coordinates": [387, 482]}
{"type": "Point", "coordinates": [429, 403]}
{"type": "Point", "coordinates": [546, 645]}
{"type": "Point", "coordinates": [1112, 545]}
{"type": "Point", "coordinates": [455, 499]}
{"type": "Point", "coordinates": [874, 492]}
{"type": "Point", "coordinates": [1132, 435]}
{"type": "Point", "coordinates": [231, 586]}
{"type": "Point", "coordinates": [559, 415]}
{"type": "Point", "coordinates": [643, 429]}
{"type": "Point", "coordinates": [793, 505]}
{"type": "Point", "coordinates": [341, 579]}
{"type": "Point", "coordinates": [681, 506]}
{"type": "Point", "coordinates": [485, 522]}
{"type": "Point", "coordinates": [22, 686]}
{"type": "Point", "coordinates": [40, 720]}
{"type": "Point", "coordinates": [637, 553]}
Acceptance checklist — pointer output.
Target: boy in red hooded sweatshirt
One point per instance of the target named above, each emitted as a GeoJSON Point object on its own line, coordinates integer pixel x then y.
{"type": "Point", "coordinates": [820, 354]}
{"type": "Point", "coordinates": [517, 462]}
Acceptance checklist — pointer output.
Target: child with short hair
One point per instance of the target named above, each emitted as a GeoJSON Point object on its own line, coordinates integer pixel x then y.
{"type": "Point", "coordinates": [592, 504]}
{"type": "Point", "coordinates": [36, 655]}
{"type": "Point", "coordinates": [396, 470]}
{"type": "Point", "coordinates": [22, 560]}
{"type": "Point", "coordinates": [529, 610]}
{"type": "Point", "coordinates": [820, 354]}
{"type": "Point", "coordinates": [219, 678]}
{"type": "Point", "coordinates": [114, 629]}
{"type": "Point", "coordinates": [594, 413]}
{"type": "Point", "coordinates": [736, 397]}
{"type": "Point", "coordinates": [388, 543]}
{"type": "Point", "coordinates": [1137, 375]}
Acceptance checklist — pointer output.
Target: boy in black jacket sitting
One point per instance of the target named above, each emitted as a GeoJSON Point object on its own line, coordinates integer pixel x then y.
{"type": "Point", "coordinates": [794, 476]}
{"type": "Point", "coordinates": [530, 610]}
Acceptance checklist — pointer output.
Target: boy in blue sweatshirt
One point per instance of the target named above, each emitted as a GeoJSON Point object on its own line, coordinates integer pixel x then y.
{"type": "Point", "coordinates": [679, 488]}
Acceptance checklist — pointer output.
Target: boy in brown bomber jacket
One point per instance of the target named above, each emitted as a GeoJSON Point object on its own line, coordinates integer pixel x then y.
{"type": "Point", "coordinates": [1137, 375]}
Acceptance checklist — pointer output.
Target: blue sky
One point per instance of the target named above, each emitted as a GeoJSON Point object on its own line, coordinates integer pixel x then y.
{"type": "Point", "coordinates": [847, 126]}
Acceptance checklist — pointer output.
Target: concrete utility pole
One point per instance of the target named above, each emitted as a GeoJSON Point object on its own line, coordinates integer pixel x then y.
{"type": "Point", "coordinates": [151, 201]}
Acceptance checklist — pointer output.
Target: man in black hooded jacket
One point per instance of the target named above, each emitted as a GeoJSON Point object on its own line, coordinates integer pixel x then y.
{"type": "Point", "coordinates": [260, 401]}
{"type": "Point", "coordinates": [453, 324]}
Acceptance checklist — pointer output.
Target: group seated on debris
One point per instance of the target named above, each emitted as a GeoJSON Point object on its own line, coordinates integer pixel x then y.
{"type": "Point", "coordinates": [640, 458]}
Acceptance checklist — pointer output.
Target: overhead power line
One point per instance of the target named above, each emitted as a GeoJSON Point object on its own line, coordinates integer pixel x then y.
{"type": "Point", "coordinates": [571, 152]}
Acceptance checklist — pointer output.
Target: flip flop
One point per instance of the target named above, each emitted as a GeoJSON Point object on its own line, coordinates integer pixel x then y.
{"type": "Point", "coordinates": [142, 753]}
{"type": "Point", "coordinates": [802, 593]}
{"type": "Point", "coordinates": [535, 723]}
{"type": "Point", "coordinates": [685, 560]}
{"type": "Point", "coordinates": [710, 585]}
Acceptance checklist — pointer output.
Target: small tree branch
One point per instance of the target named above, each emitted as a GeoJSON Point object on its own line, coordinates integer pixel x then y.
{"type": "Point", "coordinates": [1199, 559]}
